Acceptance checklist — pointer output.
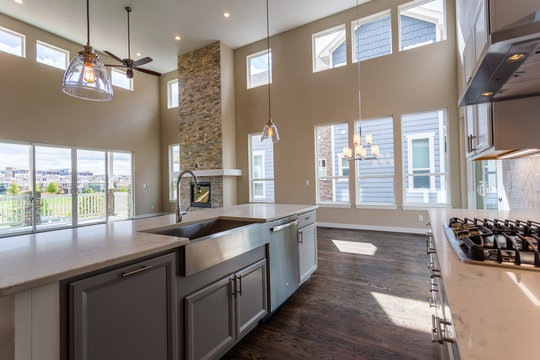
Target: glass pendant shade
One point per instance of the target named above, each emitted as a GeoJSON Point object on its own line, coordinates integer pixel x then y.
{"type": "Point", "coordinates": [86, 77]}
{"type": "Point", "coordinates": [270, 132]}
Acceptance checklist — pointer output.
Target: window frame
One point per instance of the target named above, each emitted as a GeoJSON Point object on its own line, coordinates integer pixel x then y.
{"type": "Point", "coordinates": [123, 73]}
{"type": "Point", "coordinates": [52, 47]}
{"type": "Point", "coordinates": [359, 22]}
{"type": "Point", "coordinates": [261, 154]}
{"type": "Point", "coordinates": [358, 177]}
{"type": "Point", "coordinates": [173, 174]}
{"type": "Point", "coordinates": [333, 203]}
{"type": "Point", "coordinates": [410, 183]}
{"type": "Point", "coordinates": [74, 181]}
{"type": "Point", "coordinates": [444, 155]}
{"type": "Point", "coordinates": [252, 197]}
{"type": "Point", "coordinates": [23, 42]}
{"type": "Point", "coordinates": [416, 3]}
{"type": "Point", "coordinates": [170, 103]}
{"type": "Point", "coordinates": [314, 50]}
{"type": "Point", "coordinates": [248, 68]}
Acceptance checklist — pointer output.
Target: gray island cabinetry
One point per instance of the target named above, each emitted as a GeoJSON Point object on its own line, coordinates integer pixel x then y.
{"type": "Point", "coordinates": [307, 245]}
{"type": "Point", "coordinates": [125, 313]}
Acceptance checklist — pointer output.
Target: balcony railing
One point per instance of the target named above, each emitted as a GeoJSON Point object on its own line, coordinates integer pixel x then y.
{"type": "Point", "coordinates": [16, 210]}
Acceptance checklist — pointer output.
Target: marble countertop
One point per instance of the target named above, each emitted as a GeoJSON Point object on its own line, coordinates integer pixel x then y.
{"type": "Point", "coordinates": [495, 310]}
{"type": "Point", "coordinates": [27, 261]}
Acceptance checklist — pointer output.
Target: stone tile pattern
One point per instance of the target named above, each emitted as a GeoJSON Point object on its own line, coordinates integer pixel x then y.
{"type": "Point", "coordinates": [200, 118]}
{"type": "Point", "coordinates": [520, 183]}
{"type": "Point", "coordinates": [199, 76]}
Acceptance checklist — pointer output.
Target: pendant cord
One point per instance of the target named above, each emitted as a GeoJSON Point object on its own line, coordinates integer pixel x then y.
{"type": "Point", "coordinates": [358, 70]}
{"type": "Point", "coordinates": [268, 67]}
{"type": "Point", "coordinates": [87, 22]}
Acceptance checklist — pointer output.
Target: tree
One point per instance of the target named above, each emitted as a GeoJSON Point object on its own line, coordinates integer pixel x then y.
{"type": "Point", "coordinates": [123, 189]}
{"type": "Point", "coordinates": [14, 189]}
{"type": "Point", "coordinates": [52, 188]}
{"type": "Point", "coordinates": [87, 190]}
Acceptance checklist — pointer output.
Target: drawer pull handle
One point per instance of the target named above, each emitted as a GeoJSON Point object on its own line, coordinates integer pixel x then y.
{"type": "Point", "coordinates": [437, 332]}
{"type": "Point", "coordinates": [240, 290]}
{"type": "Point", "coordinates": [144, 268]}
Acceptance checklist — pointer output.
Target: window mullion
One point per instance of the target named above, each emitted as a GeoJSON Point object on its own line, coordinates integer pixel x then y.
{"type": "Point", "coordinates": [34, 192]}
{"type": "Point", "coordinates": [74, 189]}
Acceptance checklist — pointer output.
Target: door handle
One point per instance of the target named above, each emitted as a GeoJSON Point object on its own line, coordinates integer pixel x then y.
{"type": "Point", "coordinates": [144, 268]}
{"type": "Point", "coordinates": [239, 277]}
{"type": "Point", "coordinates": [284, 226]}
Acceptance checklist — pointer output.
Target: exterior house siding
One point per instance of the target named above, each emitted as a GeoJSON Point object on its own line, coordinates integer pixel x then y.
{"type": "Point", "coordinates": [416, 31]}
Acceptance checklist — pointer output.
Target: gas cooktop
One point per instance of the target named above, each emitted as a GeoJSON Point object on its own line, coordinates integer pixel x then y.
{"type": "Point", "coordinates": [505, 243]}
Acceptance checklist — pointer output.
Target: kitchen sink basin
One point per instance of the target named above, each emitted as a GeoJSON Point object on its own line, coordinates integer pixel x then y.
{"type": "Point", "coordinates": [203, 229]}
{"type": "Point", "coordinates": [215, 241]}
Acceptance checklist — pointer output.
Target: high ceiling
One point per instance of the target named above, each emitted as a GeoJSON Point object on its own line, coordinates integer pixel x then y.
{"type": "Point", "coordinates": [154, 23]}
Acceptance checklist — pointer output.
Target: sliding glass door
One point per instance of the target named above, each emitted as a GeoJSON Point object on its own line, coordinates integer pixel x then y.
{"type": "Point", "coordinates": [91, 189]}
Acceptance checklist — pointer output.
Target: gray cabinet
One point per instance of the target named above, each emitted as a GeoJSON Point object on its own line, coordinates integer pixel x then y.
{"type": "Point", "coordinates": [210, 321]}
{"type": "Point", "coordinates": [128, 313]}
{"type": "Point", "coordinates": [223, 312]}
{"type": "Point", "coordinates": [307, 251]}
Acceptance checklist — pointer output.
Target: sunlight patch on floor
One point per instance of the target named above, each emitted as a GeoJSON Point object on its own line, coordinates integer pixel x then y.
{"type": "Point", "coordinates": [405, 312]}
{"type": "Point", "coordinates": [355, 247]}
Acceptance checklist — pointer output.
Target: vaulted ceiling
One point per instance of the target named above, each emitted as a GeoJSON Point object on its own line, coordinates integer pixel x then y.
{"type": "Point", "coordinates": [154, 23]}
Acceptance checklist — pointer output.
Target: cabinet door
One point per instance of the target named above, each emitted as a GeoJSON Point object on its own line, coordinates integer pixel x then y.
{"type": "Point", "coordinates": [210, 320]}
{"type": "Point", "coordinates": [470, 128]}
{"type": "Point", "coordinates": [307, 251]}
{"type": "Point", "coordinates": [484, 128]}
{"type": "Point", "coordinates": [128, 313]}
{"type": "Point", "coordinates": [480, 29]}
{"type": "Point", "coordinates": [250, 297]}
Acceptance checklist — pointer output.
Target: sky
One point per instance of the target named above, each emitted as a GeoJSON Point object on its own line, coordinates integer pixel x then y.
{"type": "Point", "coordinates": [259, 64]}
{"type": "Point", "coordinates": [48, 158]}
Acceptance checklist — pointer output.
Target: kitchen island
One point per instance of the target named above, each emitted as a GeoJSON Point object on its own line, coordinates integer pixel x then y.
{"type": "Point", "coordinates": [494, 310]}
{"type": "Point", "coordinates": [33, 266]}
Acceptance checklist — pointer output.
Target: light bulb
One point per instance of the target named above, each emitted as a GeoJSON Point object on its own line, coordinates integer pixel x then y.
{"type": "Point", "coordinates": [375, 150]}
{"type": "Point", "coordinates": [270, 131]}
{"type": "Point", "coordinates": [89, 75]}
{"type": "Point", "coordinates": [358, 150]}
{"type": "Point", "coordinates": [357, 139]}
{"type": "Point", "coordinates": [369, 139]}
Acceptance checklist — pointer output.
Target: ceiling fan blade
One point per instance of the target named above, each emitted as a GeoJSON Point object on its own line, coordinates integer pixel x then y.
{"type": "Point", "coordinates": [113, 56]}
{"type": "Point", "coordinates": [119, 65]}
{"type": "Point", "coordinates": [143, 61]}
{"type": "Point", "coordinates": [148, 71]}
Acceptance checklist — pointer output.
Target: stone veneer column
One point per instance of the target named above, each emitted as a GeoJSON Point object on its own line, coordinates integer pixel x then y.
{"type": "Point", "coordinates": [200, 117]}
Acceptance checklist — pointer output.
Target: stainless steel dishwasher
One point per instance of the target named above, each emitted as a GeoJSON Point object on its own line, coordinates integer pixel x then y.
{"type": "Point", "coordinates": [283, 258]}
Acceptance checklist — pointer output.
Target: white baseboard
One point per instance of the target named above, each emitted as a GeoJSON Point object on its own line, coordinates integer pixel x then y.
{"type": "Point", "coordinates": [375, 228]}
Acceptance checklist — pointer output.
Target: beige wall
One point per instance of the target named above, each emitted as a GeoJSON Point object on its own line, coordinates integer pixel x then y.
{"type": "Point", "coordinates": [169, 136]}
{"type": "Point", "coordinates": [34, 109]}
{"type": "Point", "coordinates": [416, 80]}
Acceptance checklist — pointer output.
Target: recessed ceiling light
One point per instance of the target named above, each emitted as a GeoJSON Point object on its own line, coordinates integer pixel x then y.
{"type": "Point", "coordinates": [516, 57]}
{"type": "Point", "coordinates": [138, 54]}
{"type": "Point", "coordinates": [488, 93]}
{"type": "Point", "coordinates": [226, 14]}
{"type": "Point", "coordinates": [177, 37]}
{"type": "Point", "coordinates": [18, 1]}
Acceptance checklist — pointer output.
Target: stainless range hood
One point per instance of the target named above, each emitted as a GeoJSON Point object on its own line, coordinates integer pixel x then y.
{"type": "Point", "coordinates": [509, 67]}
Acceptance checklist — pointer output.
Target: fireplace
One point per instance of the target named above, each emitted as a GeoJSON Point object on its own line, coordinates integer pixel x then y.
{"type": "Point", "coordinates": [204, 198]}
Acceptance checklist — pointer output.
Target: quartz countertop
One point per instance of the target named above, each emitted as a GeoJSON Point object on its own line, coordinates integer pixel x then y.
{"type": "Point", "coordinates": [27, 261]}
{"type": "Point", "coordinates": [495, 311]}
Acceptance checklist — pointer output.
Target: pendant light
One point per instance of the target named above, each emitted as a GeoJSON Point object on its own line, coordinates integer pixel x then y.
{"type": "Point", "coordinates": [270, 130]}
{"type": "Point", "coordinates": [86, 77]}
{"type": "Point", "coordinates": [359, 150]}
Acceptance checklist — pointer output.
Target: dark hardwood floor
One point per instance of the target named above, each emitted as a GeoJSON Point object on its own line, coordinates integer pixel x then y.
{"type": "Point", "coordinates": [354, 306]}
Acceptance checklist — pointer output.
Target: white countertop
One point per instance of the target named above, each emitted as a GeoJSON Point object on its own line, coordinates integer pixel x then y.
{"type": "Point", "coordinates": [496, 311]}
{"type": "Point", "coordinates": [27, 261]}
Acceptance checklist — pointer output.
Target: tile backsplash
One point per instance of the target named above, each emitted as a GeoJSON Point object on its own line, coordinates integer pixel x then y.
{"type": "Point", "coordinates": [522, 182]}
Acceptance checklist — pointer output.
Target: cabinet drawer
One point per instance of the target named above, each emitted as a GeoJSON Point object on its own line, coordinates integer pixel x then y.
{"type": "Point", "coordinates": [306, 219]}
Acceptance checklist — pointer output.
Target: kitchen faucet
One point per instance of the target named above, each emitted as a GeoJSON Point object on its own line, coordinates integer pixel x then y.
{"type": "Point", "coordinates": [178, 202]}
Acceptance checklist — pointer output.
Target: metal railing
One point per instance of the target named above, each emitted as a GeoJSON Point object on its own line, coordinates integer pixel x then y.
{"type": "Point", "coordinates": [12, 210]}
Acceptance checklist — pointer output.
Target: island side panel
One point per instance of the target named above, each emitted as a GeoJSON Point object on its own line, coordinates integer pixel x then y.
{"type": "Point", "coordinates": [7, 327]}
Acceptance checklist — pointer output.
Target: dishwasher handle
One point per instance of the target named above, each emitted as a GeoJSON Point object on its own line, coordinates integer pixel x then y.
{"type": "Point", "coordinates": [284, 226]}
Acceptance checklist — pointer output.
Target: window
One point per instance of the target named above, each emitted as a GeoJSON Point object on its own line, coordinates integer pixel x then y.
{"type": "Point", "coordinates": [375, 178]}
{"type": "Point", "coordinates": [372, 37]}
{"type": "Point", "coordinates": [12, 42]}
{"type": "Point", "coordinates": [329, 49]}
{"type": "Point", "coordinates": [119, 78]}
{"type": "Point", "coordinates": [15, 187]}
{"type": "Point", "coordinates": [425, 158]}
{"type": "Point", "coordinates": [333, 184]}
{"type": "Point", "coordinates": [172, 94]}
{"type": "Point", "coordinates": [51, 55]}
{"type": "Point", "coordinates": [61, 199]}
{"type": "Point", "coordinates": [174, 169]}
{"type": "Point", "coordinates": [421, 23]}
{"type": "Point", "coordinates": [259, 71]}
{"type": "Point", "coordinates": [322, 167]}
{"type": "Point", "coordinates": [261, 169]}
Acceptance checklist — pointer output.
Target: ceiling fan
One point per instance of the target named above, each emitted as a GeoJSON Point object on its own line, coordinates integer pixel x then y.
{"type": "Point", "coordinates": [129, 63]}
